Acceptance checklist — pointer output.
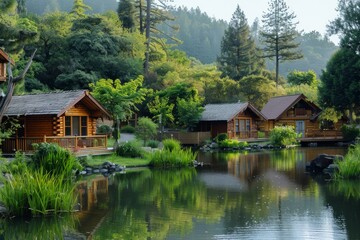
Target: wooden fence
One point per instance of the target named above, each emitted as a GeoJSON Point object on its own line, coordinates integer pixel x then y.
{"type": "Point", "coordinates": [187, 138]}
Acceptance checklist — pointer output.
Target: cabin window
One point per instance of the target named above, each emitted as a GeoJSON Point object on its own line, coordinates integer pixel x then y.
{"type": "Point", "coordinates": [75, 126]}
{"type": "Point", "coordinates": [243, 125]}
{"type": "Point", "coordinates": [237, 125]}
{"type": "Point", "coordinates": [327, 125]}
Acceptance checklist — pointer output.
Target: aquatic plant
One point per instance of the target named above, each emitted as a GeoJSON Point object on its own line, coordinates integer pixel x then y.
{"type": "Point", "coordinates": [171, 144]}
{"type": "Point", "coordinates": [172, 158]}
{"type": "Point", "coordinates": [349, 168]}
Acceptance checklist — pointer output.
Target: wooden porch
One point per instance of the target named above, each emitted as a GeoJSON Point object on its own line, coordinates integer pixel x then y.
{"type": "Point", "coordinates": [73, 143]}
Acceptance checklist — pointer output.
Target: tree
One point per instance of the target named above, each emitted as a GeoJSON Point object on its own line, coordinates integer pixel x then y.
{"type": "Point", "coordinates": [162, 110]}
{"type": "Point", "coordinates": [189, 112]}
{"type": "Point", "coordinates": [279, 34]}
{"type": "Point", "coordinates": [126, 13]}
{"type": "Point", "coordinates": [257, 90]}
{"type": "Point", "coordinates": [79, 8]}
{"type": "Point", "coordinates": [146, 129]}
{"type": "Point", "coordinates": [347, 24]}
{"type": "Point", "coordinates": [297, 78]}
{"type": "Point", "coordinates": [341, 82]}
{"type": "Point", "coordinates": [119, 99]}
{"type": "Point", "coordinates": [239, 56]}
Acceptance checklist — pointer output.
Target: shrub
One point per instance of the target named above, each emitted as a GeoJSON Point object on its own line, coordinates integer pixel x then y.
{"type": "Point", "coordinates": [54, 159]}
{"type": "Point", "coordinates": [104, 129]}
{"type": "Point", "coordinates": [349, 168]}
{"type": "Point", "coordinates": [283, 136]}
{"type": "Point", "coordinates": [153, 143]}
{"type": "Point", "coordinates": [130, 149]}
{"type": "Point", "coordinates": [34, 193]}
{"type": "Point", "coordinates": [350, 132]}
{"type": "Point", "coordinates": [146, 129]}
{"type": "Point", "coordinates": [232, 143]}
{"type": "Point", "coordinates": [221, 137]}
{"type": "Point", "coordinates": [16, 166]}
{"type": "Point", "coordinates": [175, 158]}
{"type": "Point", "coordinates": [127, 129]}
{"type": "Point", "coordinates": [171, 144]}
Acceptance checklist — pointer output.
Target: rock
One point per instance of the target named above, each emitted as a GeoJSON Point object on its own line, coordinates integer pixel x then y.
{"type": "Point", "coordinates": [331, 169]}
{"type": "Point", "coordinates": [321, 162]}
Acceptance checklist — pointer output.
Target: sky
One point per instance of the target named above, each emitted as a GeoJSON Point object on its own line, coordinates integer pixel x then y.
{"type": "Point", "coordinates": [311, 14]}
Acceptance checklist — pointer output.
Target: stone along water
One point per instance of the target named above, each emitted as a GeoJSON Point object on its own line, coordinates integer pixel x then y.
{"type": "Point", "coordinates": [264, 195]}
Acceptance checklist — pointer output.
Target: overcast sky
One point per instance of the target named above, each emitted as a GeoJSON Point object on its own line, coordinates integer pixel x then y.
{"type": "Point", "coordinates": [311, 14]}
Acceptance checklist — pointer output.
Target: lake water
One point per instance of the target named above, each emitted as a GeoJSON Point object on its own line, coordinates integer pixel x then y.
{"type": "Point", "coordinates": [263, 195]}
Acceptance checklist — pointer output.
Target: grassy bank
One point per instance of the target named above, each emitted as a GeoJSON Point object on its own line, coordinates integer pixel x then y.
{"type": "Point", "coordinates": [122, 161]}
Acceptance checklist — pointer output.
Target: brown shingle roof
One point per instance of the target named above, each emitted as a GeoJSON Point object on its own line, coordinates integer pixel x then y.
{"type": "Point", "coordinates": [226, 111]}
{"type": "Point", "coordinates": [55, 103]}
{"type": "Point", "coordinates": [276, 106]}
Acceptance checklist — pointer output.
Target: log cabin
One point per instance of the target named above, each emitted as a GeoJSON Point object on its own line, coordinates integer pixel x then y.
{"type": "Point", "coordinates": [297, 111]}
{"type": "Point", "coordinates": [237, 120]}
{"type": "Point", "coordinates": [4, 60]}
{"type": "Point", "coordinates": [67, 118]}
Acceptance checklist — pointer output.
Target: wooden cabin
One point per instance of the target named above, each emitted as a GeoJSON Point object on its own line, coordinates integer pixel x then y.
{"type": "Point", "coordinates": [67, 118]}
{"type": "Point", "coordinates": [299, 112]}
{"type": "Point", "coordinates": [4, 60]}
{"type": "Point", "coordinates": [238, 120]}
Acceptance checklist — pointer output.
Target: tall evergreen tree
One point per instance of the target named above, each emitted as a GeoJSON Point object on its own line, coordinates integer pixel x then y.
{"type": "Point", "coordinates": [21, 7]}
{"type": "Point", "coordinates": [279, 34]}
{"type": "Point", "coordinates": [238, 52]}
{"type": "Point", "coordinates": [79, 8]}
{"type": "Point", "coordinates": [126, 13]}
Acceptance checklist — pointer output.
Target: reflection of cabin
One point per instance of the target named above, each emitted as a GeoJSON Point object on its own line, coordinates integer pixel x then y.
{"type": "Point", "coordinates": [4, 60]}
{"type": "Point", "coordinates": [299, 112]}
{"type": "Point", "coordinates": [67, 118]}
{"type": "Point", "coordinates": [238, 120]}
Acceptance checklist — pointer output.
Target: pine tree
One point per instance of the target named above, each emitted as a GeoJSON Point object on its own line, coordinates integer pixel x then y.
{"type": "Point", "coordinates": [239, 56]}
{"type": "Point", "coordinates": [279, 34]}
{"type": "Point", "coordinates": [79, 8]}
{"type": "Point", "coordinates": [126, 13]}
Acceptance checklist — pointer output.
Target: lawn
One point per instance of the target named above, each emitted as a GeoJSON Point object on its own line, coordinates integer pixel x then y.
{"type": "Point", "coordinates": [122, 161]}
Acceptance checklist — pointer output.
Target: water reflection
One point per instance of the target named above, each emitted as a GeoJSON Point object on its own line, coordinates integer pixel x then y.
{"type": "Point", "coordinates": [265, 195]}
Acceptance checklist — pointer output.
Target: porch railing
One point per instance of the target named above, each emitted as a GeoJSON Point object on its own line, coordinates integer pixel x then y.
{"type": "Point", "coordinates": [74, 143]}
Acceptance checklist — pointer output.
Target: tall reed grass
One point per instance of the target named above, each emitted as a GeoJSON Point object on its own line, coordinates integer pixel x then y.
{"type": "Point", "coordinates": [349, 168]}
{"type": "Point", "coordinates": [172, 158]}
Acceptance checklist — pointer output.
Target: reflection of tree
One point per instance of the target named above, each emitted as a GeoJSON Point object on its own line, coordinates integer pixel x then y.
{"type": "Point", "coordinates": [344, 198]}
{"type": "Point", "coordinates": [38, 228]}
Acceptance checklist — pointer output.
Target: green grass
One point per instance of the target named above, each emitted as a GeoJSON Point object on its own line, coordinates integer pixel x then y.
{"type": "Point", "coordinates": [349, 168]}
{"type": "Point", "coordinates": [122, 161]}
{"type": "Point", "coordinates": [176, 158]}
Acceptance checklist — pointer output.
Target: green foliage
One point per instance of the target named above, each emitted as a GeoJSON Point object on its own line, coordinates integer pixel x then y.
{"type": "Point", "coordinates": [283, 136]}
{"type": "Point", "coordinates": [161, 108]}
{"type": "Point", "coordinates": [257, 90]}
{"type": "Point", "coordinates": [152, 143]}
{"type": "Point", "coordinates": [350, 132]}
{"type": "Point", "coordinates": [349, 168]}
{"type": "Point", "coordinates": [340, 87]}
{"type": "Point", "coordinates": [127, 129]}
{"type": "Point", "coordinates": [17, 166]}
{"type": "Point", "coordinates": [189, 112]}
{"type": "Point", "coordinates": [55, 160]}
{"type": "Point", "coordinates": [104, 129]}
{"type": "Point", "coordinates": [126, 13]}
{"type": "Point", "coordinates": [172, 158]}
{"type": "Point", "coordinates": [130, 149]}
{"type": "Point", "coordinates": [298, 77]}
{"type": "Point", "coordinates": [239, 55]}
{"type": "Point", "coordinates": [34, 193]}
{"type": "Point", "coordinates": [232, 143]}
{"type": "Point", "coordinates": [146, 129]}
{"type": "Point", "coordinates": [221, 137]}
{"type": "Point", "coordinates": [171, 144]}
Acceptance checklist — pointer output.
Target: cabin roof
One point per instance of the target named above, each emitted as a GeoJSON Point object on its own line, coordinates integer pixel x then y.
{"type": "Point", "coordinates": [276, 106]}
{"type": "Point", "coordinates": [54, 103]}
{"type": "Point", "coordinates": [5, 58]}
{"type": "Point", "coordinates": [226, 111]}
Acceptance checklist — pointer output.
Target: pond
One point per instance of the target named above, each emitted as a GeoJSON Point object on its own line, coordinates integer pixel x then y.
{"type": "Point", "coordinates": [262, 195]}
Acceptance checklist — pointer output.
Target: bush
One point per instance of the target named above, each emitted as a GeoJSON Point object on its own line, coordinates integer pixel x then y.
{"type": "Point", "coordinates": [146, 129]}
{"type": "Point", "coordinates": [16, 166]}
{"type": "Point", "coordinates": [130, 149]}
{"type": "Point", "coordinates": [350, 132]}
{"type": "Point", "coordinates": [232, 143]}
{"type": "Point", "coordinates": [221, 137]}
{"type": "Point", "coordinates": [176, 158]}
{"type": "Point", "coordinates": [349, 168]}
{"type": "Point", "coordinates": [104, 129]}
{"type": "Point", "coordinates": [127, 129]}
{"type": "Point", "coordinates": [54, 159]}
{"type": "Point", "coordinates": [283, 136]}
{"type": "Point", "coordinates": [153, 143]}
{"type": "Point", "coordinates": [171, 144]}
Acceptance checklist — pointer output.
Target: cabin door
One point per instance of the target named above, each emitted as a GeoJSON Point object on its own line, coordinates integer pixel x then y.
{"type": "Point", "coordinates": [300, 128]}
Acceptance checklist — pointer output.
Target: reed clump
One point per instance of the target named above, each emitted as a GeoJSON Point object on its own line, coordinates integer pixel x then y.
{"type": "Point", "coordinates": [349, 168]}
